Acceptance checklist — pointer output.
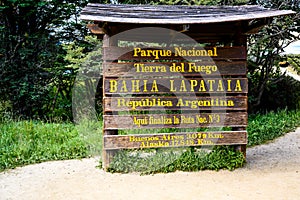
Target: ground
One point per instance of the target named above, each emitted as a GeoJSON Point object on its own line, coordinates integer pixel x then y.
{"type": "Point", "coordinates": [272, 172]}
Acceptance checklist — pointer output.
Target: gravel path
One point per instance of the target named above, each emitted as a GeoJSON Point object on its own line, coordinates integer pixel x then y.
{"type": "Point", "coordinates": [272, 172]}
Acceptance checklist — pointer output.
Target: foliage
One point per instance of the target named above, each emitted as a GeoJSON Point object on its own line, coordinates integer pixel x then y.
{"type": "Point", "coordinates": [265, 48]}
{"type": "Point", "coordinates": [87, 61]}
{"type": "Point", "coordinates": [33, 73]}
{"type": "Point", "coordinates": [294, 60]}
{"type": "Point", "coordinates": [90, 132]}
{"type": "Point", "coordinates": [284, 94]}
{"type": "Point", "coordinates": [28, 142]}
{"type": "Point", "coordinates": [263, 128]}
{"type": "Point", "coordinates": [189, 159]}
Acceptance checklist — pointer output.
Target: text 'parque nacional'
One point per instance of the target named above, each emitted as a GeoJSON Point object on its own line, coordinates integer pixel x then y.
{"type": "Point", "coordinates": [178, 51]}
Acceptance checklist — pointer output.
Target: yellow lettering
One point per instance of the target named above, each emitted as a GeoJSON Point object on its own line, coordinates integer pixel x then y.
{"type": "Point", "coordinates": [113, 85]}
{"type": "Point", "coordinates": [211, 87]}
{"type": "Point", "coordinates": [229, 85]}
{"type": "Point", "coordinates": [135, 85]}
{"type": "Point", "coordinates": [238, 86]}
{"type": "Point", "coordinates": [193, 84]}
{"type": "Point", "coordinates": [145, 85]}
{"type": "Point", "coordinates": [182, 86]}
{"type": "Point", "coordinates": [136, 51]}
{"type": "Point", "coordinates": [172, 89]}
{"type": "Point", "coordinates": [220, 86]}
{"type": "Point", "coordinates": [154, 86]}
{"type": "Point", "coordinates": [124, 86]}
{"type": "Point", "coordinates": [202, 86]}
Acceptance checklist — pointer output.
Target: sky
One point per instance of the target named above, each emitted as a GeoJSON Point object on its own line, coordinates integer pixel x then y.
{"type": "Point", "coordinates": [293, 48]}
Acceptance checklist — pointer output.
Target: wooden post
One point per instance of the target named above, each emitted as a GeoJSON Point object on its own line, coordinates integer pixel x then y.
{"type": "Point", "coordinates": [107, 155]}
{"type": "Point", "coordinates": [241, 40]}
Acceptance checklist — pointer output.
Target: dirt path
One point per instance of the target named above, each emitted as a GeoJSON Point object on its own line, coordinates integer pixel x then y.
{"type": "Point", "coordinates": [272, 172]}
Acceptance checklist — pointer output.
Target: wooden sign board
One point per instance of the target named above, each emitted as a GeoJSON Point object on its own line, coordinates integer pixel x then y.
{"type": "Point", "coordinates": [175, 86]}
{"type": "Point", "coordinates": [203, 88]}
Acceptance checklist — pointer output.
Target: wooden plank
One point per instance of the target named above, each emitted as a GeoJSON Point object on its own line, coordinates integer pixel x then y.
{"type": "Point", "coordinates": [175, 86]}
{"type": "Point", "coordinates": [107, 155]}
{"type": "Point", "coordinates": [95, 29]}
{"type": "Point", "coordinates": [218, 28]}
{"type": "Point", "coordinates": [176, 53]}
{"type": "Point", "coordinates": [199, 38]}
{"type": "Point", "coordinates": [147, 14]}
{"type": "Point", "coordinates": [161, 33]}
{"type": "Point", "coordinates": [174, 103]}
{"type": "Point", "coordinates": [175, 140]}
{"type": "Point", "coordinates": [193, 120]}
{"type": "Point", "coordinates": [195, 69]}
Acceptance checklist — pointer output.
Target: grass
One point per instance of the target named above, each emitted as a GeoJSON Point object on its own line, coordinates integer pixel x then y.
{"type": "Point", "coordinates": [267, 127]}
{"type": "Point", "coordinates": [170, 160]}
{"type": "Point", "coordinates": [28, 142]}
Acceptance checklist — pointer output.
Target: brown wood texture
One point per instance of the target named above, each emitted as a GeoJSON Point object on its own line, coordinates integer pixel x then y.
{"type": "Point", "coordinates": [175, 86]}
{"type": "Point", "coordinates": [149, 14]}
{"type": "Point", "coordinates": [175, 34]}
{"type": "Point", "coordinates": [175, 140]}
{"type": "Point", "coordinates": [192, 120]}
{"type": "Point", "coordinates": [107, 155]}
{"type": "Point", "coordinates": [127, 53]}
{"type": "Point", "coordinates": [149, 32]}
{"type": "Point", "coordinates": [174, 103]}
{"type": "Point", "coordinates": [150, 69]}
{"type": "Point", "coordinates": [95, 29]}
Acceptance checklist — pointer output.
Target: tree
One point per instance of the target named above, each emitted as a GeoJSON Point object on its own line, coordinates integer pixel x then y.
{"type": "Point", "coordinates": [265, 48]}
{"type": "Point", "coordinates": [32, 61]}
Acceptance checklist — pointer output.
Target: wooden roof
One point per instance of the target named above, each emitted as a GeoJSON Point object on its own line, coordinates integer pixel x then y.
{"type": "Point", "coordinates": [166, 14]}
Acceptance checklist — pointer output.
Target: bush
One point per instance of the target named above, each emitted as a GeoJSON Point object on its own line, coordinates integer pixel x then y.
{"type": "Point", "coordinates": [283, 94]}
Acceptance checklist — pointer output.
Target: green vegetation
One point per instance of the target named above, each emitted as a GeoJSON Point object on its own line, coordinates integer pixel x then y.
{"type": "Point", "coordinates": [28, 142]}
{"type": "Point", "coordinates": [263, 128]}
{"type": "Point", "coordinates": [187, 159]}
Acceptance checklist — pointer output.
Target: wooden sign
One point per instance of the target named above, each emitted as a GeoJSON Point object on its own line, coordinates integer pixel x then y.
{"type": "Point", "coordinates": [180, 87]}
{"type": "Point", "coordinates": [175, 86]}
{"type": "Point", "coordinates": [203, 87]}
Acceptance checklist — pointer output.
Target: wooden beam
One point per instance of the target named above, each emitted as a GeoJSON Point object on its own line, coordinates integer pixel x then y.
{"type": "Point", "coordinates": [228, 103]}
{"type": "Point", "coordinates": [95, 29]}
{"type": "Point", "coordinates": [193, 120]}
{"type": "Point", "coordinates": [164, 140]}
